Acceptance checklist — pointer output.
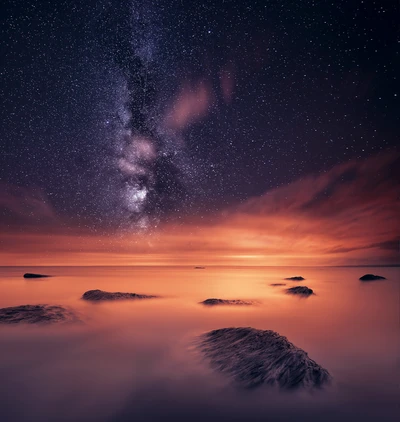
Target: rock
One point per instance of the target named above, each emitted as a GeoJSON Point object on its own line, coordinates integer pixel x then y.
{"type": "Point", "coordinates": [278, 284]}
{"type": "Point", "coordinates": [36, 314]}
{"type": "Point", "coordinates": [371, 277]}
{"type": "Point", "coordinates": [213, 302]}
{"type": "Point", "coordinates": [31, 275]}
{"type": "Point", "coordinates": [97, 295]}
{"type": "Point", "coordinates": [296, 278]}
{"type": "Point", "coordinates": [255, 357]}
{"type": "Point", "coordinates": [199, 268]}
{"type": "Point", "coordinates": [300, 290]}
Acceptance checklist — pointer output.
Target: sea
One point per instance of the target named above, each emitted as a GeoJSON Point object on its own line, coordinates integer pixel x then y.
{"type": "Point", "coordinates": [136, 360]}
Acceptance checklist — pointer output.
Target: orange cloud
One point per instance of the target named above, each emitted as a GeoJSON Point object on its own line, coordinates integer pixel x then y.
{"type": "Point", "coordinates": [349, 214]}
{"type": "Point", "coordinates": [25, 204]}
{"type": "Point", "coordinates": [191, 104]}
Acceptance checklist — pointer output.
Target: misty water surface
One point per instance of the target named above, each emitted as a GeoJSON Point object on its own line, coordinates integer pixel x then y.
{"type": "Point", "coordinates": [135, 360]}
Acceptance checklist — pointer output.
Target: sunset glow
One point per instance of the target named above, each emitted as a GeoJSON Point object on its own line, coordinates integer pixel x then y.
{"type": "Point", "coordinates": [347, 216]}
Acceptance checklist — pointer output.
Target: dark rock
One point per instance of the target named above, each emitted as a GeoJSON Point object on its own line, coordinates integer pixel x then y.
{"type": "Point", "coordinates": [36, 314]}
{"type": "Point", "coordinates": [371, 277]}
{"type": "Point", "coordinates": [97, 295]}
{"type": "Point", "coordinates": [278, 284]}
{"type": "Point", "coordinates": [296, 278]}
{"type": "Point", "coordinates": [31, 275]}
{"type": "Point", "coordinates": [300, 290]}
{"type": "Point", "coordinates": [255, 357]}
{"type": "Point", "coordinates": [213, 302]}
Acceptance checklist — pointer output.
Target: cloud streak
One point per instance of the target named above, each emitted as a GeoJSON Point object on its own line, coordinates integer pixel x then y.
{"type": "Point", "coordinates": [25, 204]}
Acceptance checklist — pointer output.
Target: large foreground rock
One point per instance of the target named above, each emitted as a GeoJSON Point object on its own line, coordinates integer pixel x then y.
{"type": "Point", "coordinates": [98, 295]}
{"type": "Point", "coordinates": [32, 275]}
{"type": "Point", "coordinates": [213, 302]}
{"type": "Point", "coordinates": [255, 357]}
{"type": "Point", "coordinates": [300, 291]}
{"type": "Point", "coordinates": [371, 277]}
{"type": "Point", "coordinates": [36, 314]}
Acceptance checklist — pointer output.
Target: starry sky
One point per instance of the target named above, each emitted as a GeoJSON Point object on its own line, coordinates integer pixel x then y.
{"type": "Point", "coordinates": [126, 117]}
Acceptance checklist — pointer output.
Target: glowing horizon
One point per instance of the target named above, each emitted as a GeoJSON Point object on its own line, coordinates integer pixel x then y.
{"type": "Point", "coordinates": [344, 216]}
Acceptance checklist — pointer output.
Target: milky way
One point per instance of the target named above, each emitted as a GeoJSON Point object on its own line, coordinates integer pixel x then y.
{"type": "Point", "coordinates": [151, 177]}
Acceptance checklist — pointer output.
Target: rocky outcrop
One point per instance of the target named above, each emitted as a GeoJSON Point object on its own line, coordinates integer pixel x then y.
{"type": "Point", "coordinates": [32, 275]}
{"type": "Point", "coordinates": [99, 295]}
{"type": "Point", "coordinates": [213, 302]}
{"type": "Point", "coordinates": [371, 277]}
{"type": "Point", "coordinates": [254, 357]}
{"type": "Point", "coordinates": [300, 290]}
{"type": "Point", "coordinates": [296, 278]}
{"type": "Point", "coordinates": [36, 314]}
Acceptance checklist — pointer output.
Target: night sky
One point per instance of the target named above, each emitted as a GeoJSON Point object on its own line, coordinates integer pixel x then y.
{"type": "Point", "coordinates": [128, 114]}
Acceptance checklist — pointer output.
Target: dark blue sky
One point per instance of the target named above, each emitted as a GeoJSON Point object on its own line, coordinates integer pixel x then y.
{"type": "Point", "coordinates": [314, 84]}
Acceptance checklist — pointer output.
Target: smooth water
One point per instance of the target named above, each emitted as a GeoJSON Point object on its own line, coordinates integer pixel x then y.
{"type": "Point", "coordinates": [135, 360]}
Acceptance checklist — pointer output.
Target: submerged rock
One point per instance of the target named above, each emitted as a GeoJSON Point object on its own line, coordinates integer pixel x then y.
{"type": "Point", "coordinates": [296, 278]}
{"type": "Point", "coordinates": [212, 302]}
{"type": "Point", "coordinates": [255, 357]}
{"type": "Point", "coordinates": [32, 275]}
{"type": "Point", "coordinates": [97, 295]}
{"type": "Point", "coordinates": [36, 314]}
{"type": "Point", "coordinates": [278, 284]}
{"type": "Point", "coordinates": [371, 277]}
{"type": "Point", "coordinates": [300, 290]}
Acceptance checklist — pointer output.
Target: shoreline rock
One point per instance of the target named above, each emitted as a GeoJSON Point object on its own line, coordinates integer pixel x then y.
{"type": "Point", "coordinates": [100, 295]}
{"type": "Point", "coordinates": [295, 278]}
{"type": "Point", "coordinates": [371, 277]}
{"type": "Point", "coordinates": [300, 290]}
{"type": "Point", "coordinates": [254, 357]}
{"type": "Point", "coordinates": [235, 302]}
{"type": "Point", "coordinates": [36, 314]}
{"type": "Point", "coordinates": [32, 275]}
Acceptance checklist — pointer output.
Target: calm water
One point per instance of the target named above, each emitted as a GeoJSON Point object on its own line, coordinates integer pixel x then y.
{"type": "Point", "coordinates": [134, 360]}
